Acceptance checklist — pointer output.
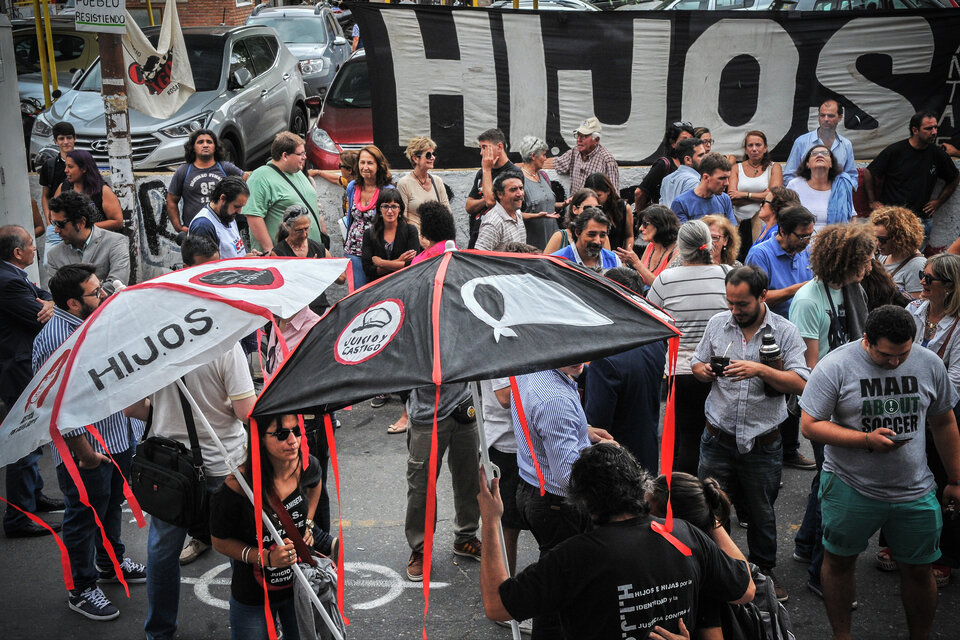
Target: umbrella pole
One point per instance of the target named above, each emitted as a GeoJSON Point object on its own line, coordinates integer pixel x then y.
{"type": "Point", "coordinates": [249, 493]}
{"type": "Point", "coordinates": [489, 468]}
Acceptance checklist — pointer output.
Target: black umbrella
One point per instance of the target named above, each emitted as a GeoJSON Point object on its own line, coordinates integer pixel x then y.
{"type": "Point", "coordinates": [460, 317]}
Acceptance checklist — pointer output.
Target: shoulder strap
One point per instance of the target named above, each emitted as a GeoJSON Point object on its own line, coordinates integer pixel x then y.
{"type": "Point", "coordinates": [191, 430]}
{"type": "Point", "coordinates": [189, 168]}
{"type": "Point", "coordinates": [313, 214]}
{"type": "Point", "coordinates": [903, 263]}
{"type": "Point", "coordinates": [434, 183]}
{"type": "Point", "coordinates": [220, 166]}
{"type": "Point", "coordinates": [946, 341]}
{"type": "Point", "coordinates": [303, 551]}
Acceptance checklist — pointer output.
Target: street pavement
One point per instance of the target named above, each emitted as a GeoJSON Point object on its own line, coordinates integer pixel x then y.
{"type": "Point", "coordinates": [380, 601]}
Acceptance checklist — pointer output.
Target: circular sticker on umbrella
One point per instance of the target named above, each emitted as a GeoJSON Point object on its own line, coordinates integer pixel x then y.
{"type": "Point", "coordinates": [369, 332]}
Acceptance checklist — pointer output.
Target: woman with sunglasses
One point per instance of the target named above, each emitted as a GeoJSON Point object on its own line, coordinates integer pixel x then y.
{"type": "Point", "coordinates": [899, 238]}
{"type": "Point", "coordinates": [778, 199]}
{"type": "Point", "coordinates": [649, 190]}
{"type": "Point", "coordinates": [83, 176]}
{"type": "Point", "coordinates": [824, 189]}
{"type": "Point", "coordinates": [658, 228]}
{"type": "Point", "coordinates": [420, 185]}
{"type": "Point", "coordinates": [286, 487]}
{"type": "Point", "coordinates": [750, 185]}
{"type": "Point", "coordinates": [937, 315]}
{"type": "Point", "coordinates": [373, 176]}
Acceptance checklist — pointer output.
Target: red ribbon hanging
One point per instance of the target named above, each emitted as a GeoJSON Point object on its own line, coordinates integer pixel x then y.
{"type": "Point", "coordinates": [258, 520]}
{"type": "Point", "coordinates": [127, 491]}
{"type": "Point", "coordinates": [332, 448]}
{"type": "Point", "coordinates": [64, 556]}
{"type": "Point", "coordinates": [526, 432]}
{"type": "Point", "coordinates": [667, 446]}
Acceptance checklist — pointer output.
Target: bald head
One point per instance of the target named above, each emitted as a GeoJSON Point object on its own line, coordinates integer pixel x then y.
{"type": "Point", "coordinates": [16, 246]}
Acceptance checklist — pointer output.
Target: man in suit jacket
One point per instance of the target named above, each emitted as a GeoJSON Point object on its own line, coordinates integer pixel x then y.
{"type": "Point", "coordinates": [108, 251]}
{"type": "Point", "coordinates": [24, 308]}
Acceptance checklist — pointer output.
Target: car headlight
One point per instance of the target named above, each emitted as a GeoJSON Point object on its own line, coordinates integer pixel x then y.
{"type": "Point", "coordinates": [312, 66]}
{"type": "Point", "coordinates": [41, 129]}
{"type": "Point", "coordinates": [323, 140]}
{"type": "Point", "coordinates": [184, 129]}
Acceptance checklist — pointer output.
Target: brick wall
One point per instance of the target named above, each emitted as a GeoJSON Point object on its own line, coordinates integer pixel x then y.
{"type": "Point", "coordinates": [195, 13]}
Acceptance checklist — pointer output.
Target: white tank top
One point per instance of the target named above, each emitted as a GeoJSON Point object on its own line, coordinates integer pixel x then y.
{"type": "Point", "coordinates": [751, 185]}
{"type": "Point", "coordinates": [231, 244]}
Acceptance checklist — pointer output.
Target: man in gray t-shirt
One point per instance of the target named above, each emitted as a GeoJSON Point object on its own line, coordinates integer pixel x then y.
{"type": "Point", "coordinates": [869, 402]}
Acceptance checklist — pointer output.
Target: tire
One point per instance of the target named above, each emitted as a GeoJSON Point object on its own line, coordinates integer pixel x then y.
{"type": "Point", "coordinates": [299, 122]}
{"type": "Point", "coordinates": [230, 152]}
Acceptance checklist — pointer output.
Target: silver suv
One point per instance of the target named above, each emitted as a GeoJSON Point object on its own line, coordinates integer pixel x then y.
{"type": "Point", "coordinates": [313, 35]}
{"type": "Point", "coordinates": [248, 89]}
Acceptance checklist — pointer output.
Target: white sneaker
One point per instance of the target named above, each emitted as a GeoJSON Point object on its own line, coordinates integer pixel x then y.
{"type": "Point", "coordinates": [526, 626]}
{"type": "Point", "coordinates": [194, 549]}
{"type": "Point", "coordinates": [92, 603]}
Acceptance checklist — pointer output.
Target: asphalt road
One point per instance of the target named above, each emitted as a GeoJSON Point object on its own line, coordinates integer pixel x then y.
{"type": "Point", "coordinates": [380, 602]}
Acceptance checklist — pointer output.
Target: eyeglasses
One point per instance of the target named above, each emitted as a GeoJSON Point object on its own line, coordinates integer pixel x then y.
{"type": "Point", "coordinates": [390, 206]}
{"type": "Point", "coordinates": [769, 203]}
{"type": "Point", "coordinates": [281, 434]}
{"type": "Point", "coordinates": [301, 231]}
{"type": "Point", "coordinates": [804, 236]}
{"type": "Point", "coordinates": [882, 239]}
{"type": "Point", "coordinates": [343, 166]}
{"type": "Point", "coordinates": [96, 293]}
{"type": "Point", "coordinates": [429, 155]}
{"type": "Point", "coordinates": [716, 238]}
{"type": "Point", "coordinates": [820, 152]}
{"type": "Point", "coordinates": [929, 278]}
{"type": "Point", "coordinates": [645, 224]}
{"type": "Point", "coordinates": [60, 224]}
{"type": "Point", "coordinates": [302, 154]}
{"type": "Point", "coordinates": [683, 124]}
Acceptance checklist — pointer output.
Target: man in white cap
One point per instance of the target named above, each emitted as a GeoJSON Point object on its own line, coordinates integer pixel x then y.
{"type": "Point", "coordinates": [589, 157]}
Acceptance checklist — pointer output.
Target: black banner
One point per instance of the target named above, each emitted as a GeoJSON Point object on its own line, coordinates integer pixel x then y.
{"type": "Point", "coordinates": [452, 73]}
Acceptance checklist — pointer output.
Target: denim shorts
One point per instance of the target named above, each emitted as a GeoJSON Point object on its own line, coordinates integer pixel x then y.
{"type": "Point", "coordinates": [850, 519]}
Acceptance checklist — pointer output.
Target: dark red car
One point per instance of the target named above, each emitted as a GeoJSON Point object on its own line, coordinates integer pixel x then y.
{"type": "Point", "coordinates": [346, 119]}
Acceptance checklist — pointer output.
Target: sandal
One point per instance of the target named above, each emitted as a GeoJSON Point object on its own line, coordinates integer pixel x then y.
{"type": "Point", "coordinates": [942, 575]}
{"type": "Point", "coordinates": [397, 427]}
{"type": "Point", "coordinates": [885, 561]}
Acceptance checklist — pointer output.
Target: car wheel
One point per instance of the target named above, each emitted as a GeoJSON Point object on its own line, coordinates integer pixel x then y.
{"type": "Point", "coordinates": [230, 152]}
{"type": "Point", "coordinates": [298, 122]}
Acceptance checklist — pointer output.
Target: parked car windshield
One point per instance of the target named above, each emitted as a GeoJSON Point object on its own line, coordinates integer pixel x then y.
{"type": "Point", "coordinates": [351, 88]}
{"type": "Point", "coordinates": [296, 31]}
{"type": "Point", "coordinates": [205, 53]}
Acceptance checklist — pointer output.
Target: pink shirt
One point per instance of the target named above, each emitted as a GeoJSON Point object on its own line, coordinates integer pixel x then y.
{"type": "Point", "coordinates": [294, 331]}
{"type": "Point", "coordinates": [435, 250]}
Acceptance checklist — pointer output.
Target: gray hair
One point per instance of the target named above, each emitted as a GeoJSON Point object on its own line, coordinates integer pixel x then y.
{"type": "Point", "coordinates": [695, 243]}
{"type": "Point", "coordinates": [531, 146]}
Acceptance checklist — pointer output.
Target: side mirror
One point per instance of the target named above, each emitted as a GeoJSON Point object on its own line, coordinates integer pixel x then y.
{"type": "Point", "coordinates": [339, 41]}
{"type": "Point", "coordinates": [240, 78]}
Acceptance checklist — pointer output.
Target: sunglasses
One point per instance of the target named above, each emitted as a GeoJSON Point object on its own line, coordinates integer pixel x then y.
{"type": "Point", "coordinates": [281, 434]}
{"type": "Point", "coordinates": [429, 155]}
{"type": "Point", "coordinates": [804, 236]}
{"type": "Point", "coordinates": [882, 239]}
{"type": "Point", "coordinates": [682, 124]}
{"type": "Point", "coordinates": [60, 224]}
{"type": "Point", "coordinates": [928, 279]}
{"type": "Point", "coordinates": [343, 166]}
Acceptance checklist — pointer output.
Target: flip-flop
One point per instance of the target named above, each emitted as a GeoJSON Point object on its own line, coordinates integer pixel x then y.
{"type": "Point", "coordinates": [941, 574]}
{"type": "Point", "coordinates": [885, 561]}
{"type": "Point", "coordinates": [397, 427]}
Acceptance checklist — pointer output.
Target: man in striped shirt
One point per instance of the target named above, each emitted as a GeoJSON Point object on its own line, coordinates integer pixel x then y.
{"type": "Point", "coordinates": [558, 432]}
{"type": "Point", "coordinates": [77, 293]}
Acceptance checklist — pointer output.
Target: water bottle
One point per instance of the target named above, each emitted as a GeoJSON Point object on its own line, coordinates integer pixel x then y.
{"type": "Point", "coordinates": [770, 356]}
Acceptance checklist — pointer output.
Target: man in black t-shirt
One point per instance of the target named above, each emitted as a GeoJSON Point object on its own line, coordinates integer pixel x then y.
{"type": "Point", "coordinates": [52, 174]}
{"type": "Point", "coordinates": [910, 170]}
{"type": "Point", "coordinates": [493, 162]}
{"type": "Point", "coordinates": [628, 575]}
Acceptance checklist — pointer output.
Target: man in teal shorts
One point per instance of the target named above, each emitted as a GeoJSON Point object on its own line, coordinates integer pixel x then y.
{"type": "Point", "coordinates": [870, 402]}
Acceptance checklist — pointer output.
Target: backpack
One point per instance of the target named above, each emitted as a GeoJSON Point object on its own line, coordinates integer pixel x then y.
{"type": "Point", "coordinates": [763, 619]}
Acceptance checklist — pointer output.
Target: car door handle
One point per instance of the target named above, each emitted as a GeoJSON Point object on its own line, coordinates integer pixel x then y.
{"type": "Point", "coordinates": [286, 76]}
{"type": "Point", "coordinates": [263, 92]}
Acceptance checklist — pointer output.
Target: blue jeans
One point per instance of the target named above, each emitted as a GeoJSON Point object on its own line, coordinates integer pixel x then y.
{"type": "Point", "coordinates": [247, 621]}
{"type": "Point", "coordinates": [24, 485]}
{"type": "Point", "coordinates": [164, 544]}
{"type": "Point", "coordinates": [753, 479]}
{"type": "Point", "coordinates": [359, 277]}
{"type": "Point", "coordinates": [809, 539]}
{"type": "Point", "coordinates": [80, 533]}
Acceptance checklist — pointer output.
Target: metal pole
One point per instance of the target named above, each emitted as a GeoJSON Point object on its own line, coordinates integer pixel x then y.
{"type": "Point", "coordinates": [150, 13]}
{"type": "Point", "coordinates": [490, 469]}
{"type": "Point", "coordinates": [266, 519]}
{"type": "Point", "coordinates": [42, 54]}
{"type": "Point", "coordinates": [51, 58]}
{"type": "Point", "coordinates": [119, 145]}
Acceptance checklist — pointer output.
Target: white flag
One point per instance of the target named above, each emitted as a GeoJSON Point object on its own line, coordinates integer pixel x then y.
{"type": "Point", "coordinates": [158, 80]}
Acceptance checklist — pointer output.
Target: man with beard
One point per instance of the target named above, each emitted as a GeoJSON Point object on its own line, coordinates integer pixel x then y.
{"type": "Point", "coordinates": [589, 231]}
{"type": "Point", "coordinates": [741, 445]}
{"type": "Point", "coordinates": [217, 221]}
{"type": "Point", "coordinates": [77, 293]}
{"type": "Point", "coordinates": [195, 179]}
{"type": "Point", "coordinates": [689, 152]}
{"type": "Point", "coordinates": [504, 222]}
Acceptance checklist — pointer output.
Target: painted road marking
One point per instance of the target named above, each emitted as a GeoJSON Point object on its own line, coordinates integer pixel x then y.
{"type": "Point", "coordinates": [390, 580]}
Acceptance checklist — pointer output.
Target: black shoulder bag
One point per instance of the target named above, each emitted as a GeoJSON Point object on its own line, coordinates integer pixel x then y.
{"type": "Point", "coordinates": [323, 237]}
{"type": "Point", "coordinates": [166, 478]}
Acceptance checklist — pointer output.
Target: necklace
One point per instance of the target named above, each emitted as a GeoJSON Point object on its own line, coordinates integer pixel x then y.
{"type": "Point", "coordinates": [754, 169]}
{"type": "Point", "coordinates": [930, 327]}
{"type": "Point", "coordinates": [664, 253]}
{"type": "Point", "coordinates": [424, 182]}
{"type": "Point", "coordinates": [532, 176]}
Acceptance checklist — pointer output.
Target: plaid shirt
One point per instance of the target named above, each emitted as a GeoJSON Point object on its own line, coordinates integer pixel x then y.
{"type": "Point", "coordinates": [497, 227]}
{"type": "Point", "coordinates": [599, 161]}
{"type": "Point", "coordinates": [741, 408]}
{"type": "Point", "coordinates": [117, 430]}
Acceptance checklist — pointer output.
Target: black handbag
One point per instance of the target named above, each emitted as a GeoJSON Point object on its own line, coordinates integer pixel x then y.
{"type": "Point", "coordinates": [167, 478]}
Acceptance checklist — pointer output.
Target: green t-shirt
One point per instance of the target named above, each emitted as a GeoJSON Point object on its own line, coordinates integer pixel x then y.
{"type": "Point", "coordinates": [812, 313]}
{"type": "Point", "coordinates": [271, 194]}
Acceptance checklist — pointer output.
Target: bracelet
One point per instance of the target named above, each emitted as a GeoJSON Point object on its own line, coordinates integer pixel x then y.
{"type": "Point", "coordinates": [310, 524]}
{"type": "Point", "coordinates": [244, 554]}
{"type": "Point", "coordinates": [866, 441]}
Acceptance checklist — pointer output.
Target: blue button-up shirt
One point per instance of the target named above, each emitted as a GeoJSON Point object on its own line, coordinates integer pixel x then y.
{"type": "Point", "coordinates": [558, 428]}
{"type": "Point", "coordinates": [785, 269]}
{"type": "Point", "coordinates": [680, 181]}
{"type": "Point", "coordinates": [841, 148]}
{"type": "Point", "coordinates": [116, 429]}
{"type": "Point", "coordinates": [740, 408]}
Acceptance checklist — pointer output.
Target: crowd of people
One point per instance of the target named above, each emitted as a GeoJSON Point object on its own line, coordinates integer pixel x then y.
{"type": "Point", "coordinates": [766, 270]}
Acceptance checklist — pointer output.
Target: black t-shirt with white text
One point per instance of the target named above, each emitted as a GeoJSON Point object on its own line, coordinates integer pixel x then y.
{"type": "Point", "coordinates": [623, 578]}
{"type": "Point", "coordinates": [476, 192]}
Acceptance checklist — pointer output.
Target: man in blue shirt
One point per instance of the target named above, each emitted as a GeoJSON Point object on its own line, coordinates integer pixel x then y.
{"type": "Point", "coordinates": [690, 152]}
{"type": "Point", "coordinates": [708, 197]}
{"type": "Point", "coordinates": [829, 116]}
{"type": "Point", "coordinates": [590, 229]}
{"type": "Point", "coordinates": [785, 257]}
